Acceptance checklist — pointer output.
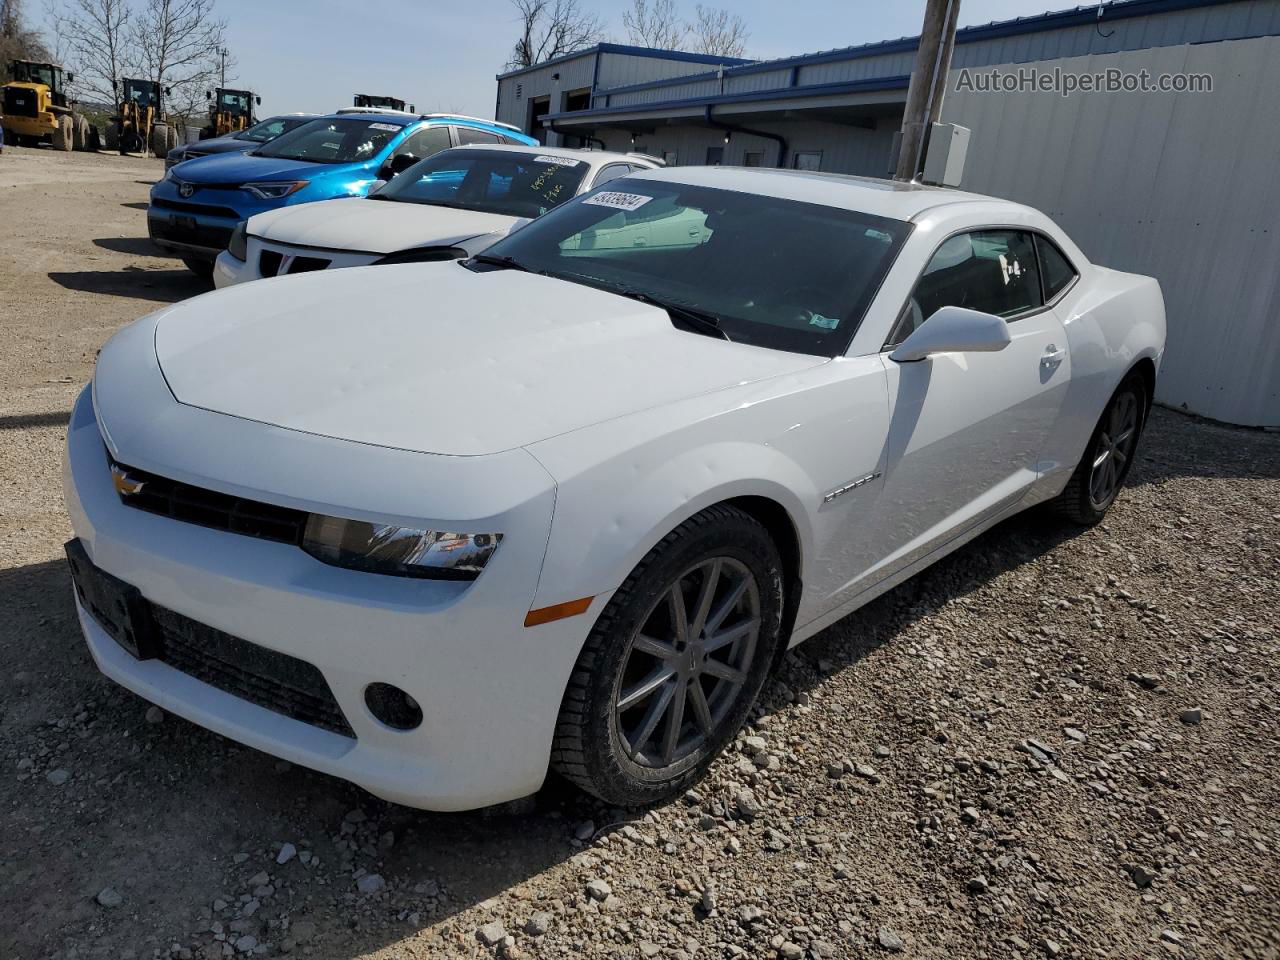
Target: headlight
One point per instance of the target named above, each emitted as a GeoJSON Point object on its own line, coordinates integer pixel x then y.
{"type": "Point", "coordinates": [238, 245]}
{"type": "Point", "coordinates": [276, 189]}
{"type": "Point", "coordinates": [398, 551]}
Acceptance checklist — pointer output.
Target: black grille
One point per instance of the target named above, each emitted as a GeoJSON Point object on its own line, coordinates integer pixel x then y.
{"type": "Point", "coordinates": [196, 234]}
{"type": "Point", "coordinates": [269, 263]}
{"type": "Point", "coordinates": [203, 209]}
{"type": "Point", "coordinates": [21, 102]}
{"type": "Point", "coordinates": [148, 631]}
{"type": "Point", "coordinates": [207, 508]}
{"type": "Point", "coordinates": [271, 679]}
{"type": "Point", "coordinates": [307, 264]}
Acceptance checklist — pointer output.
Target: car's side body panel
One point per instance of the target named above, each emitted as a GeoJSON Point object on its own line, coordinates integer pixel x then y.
{"type": "Point", "coordinates": [794, 439]}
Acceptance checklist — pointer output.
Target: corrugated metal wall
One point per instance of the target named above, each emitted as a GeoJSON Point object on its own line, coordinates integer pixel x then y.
{"type": "Point", "coordinates": [1183, 187]}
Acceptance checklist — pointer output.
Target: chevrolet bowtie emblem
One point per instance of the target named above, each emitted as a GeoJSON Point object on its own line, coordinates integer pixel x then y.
{"type": "Point", "coordinates": [125, 485]}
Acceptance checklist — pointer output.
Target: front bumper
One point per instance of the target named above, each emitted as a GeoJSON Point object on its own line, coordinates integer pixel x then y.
{"type": "Point", "coordinates": [267, 258]}
{"type": "Point", "coordinates": [489, 688]}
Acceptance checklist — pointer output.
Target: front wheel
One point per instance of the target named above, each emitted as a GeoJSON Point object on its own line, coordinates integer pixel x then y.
{"type": "Point", "coordinates": [675, 662]}
{"type": "Point", "coordinates": [1102, 471]}
{"type": "Point", "coordinates": [201, 268]}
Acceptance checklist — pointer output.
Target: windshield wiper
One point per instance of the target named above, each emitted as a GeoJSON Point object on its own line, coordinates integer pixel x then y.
{"type": "Point", "coordinates": [506, 263]}
{"type": "Point", "coordinates": [700, 320]}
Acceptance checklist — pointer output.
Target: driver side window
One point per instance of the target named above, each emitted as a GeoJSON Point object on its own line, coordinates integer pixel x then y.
{"type": "Point", "coordinates": [425, 143]}
{"type": "Point", "coordinates": [994, 271]}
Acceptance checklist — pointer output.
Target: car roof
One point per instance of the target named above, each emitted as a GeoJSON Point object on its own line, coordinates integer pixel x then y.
{"type": "Point", "coordinates": [596, 157]}
{"type": "Point", "coordinates": [885, 198]}
{"type": "Point", "coordinates": [388, 116]}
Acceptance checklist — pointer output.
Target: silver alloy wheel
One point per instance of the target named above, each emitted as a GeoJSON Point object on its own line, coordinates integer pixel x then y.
{"type": "Point", "coordinates": [687, 662]}
{"type": "Point", "coordinates": [1116, 441]}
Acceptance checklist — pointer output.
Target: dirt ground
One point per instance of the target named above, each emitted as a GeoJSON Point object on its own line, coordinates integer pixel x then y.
{"type": "Point", "coordinates": [1054, 743]}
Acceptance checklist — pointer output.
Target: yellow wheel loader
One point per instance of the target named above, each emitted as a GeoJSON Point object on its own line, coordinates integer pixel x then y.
{"type": "Point", "coordinates": [230, 111]}
{"type": "Point", "coordinates": [36, 109]}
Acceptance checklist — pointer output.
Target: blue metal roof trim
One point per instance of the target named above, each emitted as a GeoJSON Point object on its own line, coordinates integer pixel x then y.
{"type": "Point", "coordinates": [630, 51]}
{"type": "Point", "coordinates": [871, 85]}
{"type": "Point", "coordinates": [1055, 20]}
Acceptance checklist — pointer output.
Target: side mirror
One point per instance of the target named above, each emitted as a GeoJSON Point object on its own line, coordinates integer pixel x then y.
{"type": "Point", "coordinates": [208, 94]}
{"type": "Point", "coordinates": [71, 78]}
{"type": "Point", "coordinates": [376, 186]}
{"type": "Point", "coordinates": [259, 100]}
{"type": "Point", "coordinates": [413, 108]}
{"type": "Point", "coordinates": [168, 91]}
{"type": "Point", "coordinates": [396, 166]}
{"type": "Point", "coordinates": [522, 222]}
{"type": "Point", "coordinates": [954, 330]}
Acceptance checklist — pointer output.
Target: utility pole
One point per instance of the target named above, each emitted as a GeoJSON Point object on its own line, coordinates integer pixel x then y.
{"type": "Point", "coordinates": [222, 53]}
{"type": "Point", "coordinates": [928, 84]}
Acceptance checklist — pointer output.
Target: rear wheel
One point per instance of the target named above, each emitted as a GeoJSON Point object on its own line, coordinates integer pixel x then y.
{"type": "Point", "coordinates": [675, 662]}
{"type": "Point", "coordinates": [79, 132]}
{"type": "Point", "coordinates": [1102, 471]}
{"type": "Point", "coordinates": [201, 268]}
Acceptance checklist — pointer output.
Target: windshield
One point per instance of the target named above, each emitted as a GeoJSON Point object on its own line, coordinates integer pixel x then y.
{"type": "Point", "coordinates": [495, 181]}
{"type": "Point", "coordinates": [268, 130]}
{"type": "Point", "coordinates": [332, 140]}
{"type": "Point", "coordinates": [235, 102]}
{"type": "Point", "coordinates": [34, 73]}
{"type": "Point", "coordinates": [775, 273]}
{"type": "Point", "coordinates": [143, 94]}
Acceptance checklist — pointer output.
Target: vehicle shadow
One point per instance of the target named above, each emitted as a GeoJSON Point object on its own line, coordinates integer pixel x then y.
{"type": "Point", "coordinates": [1177, 444]}
{"type": "Point", "coordinates": [133, 246]}
{"type": "Point", "coordinates": [165, 286]}
{"type": "Point", "coordinates": [136, 206]}
{"type": "Point", "coordinates": [24, 421]}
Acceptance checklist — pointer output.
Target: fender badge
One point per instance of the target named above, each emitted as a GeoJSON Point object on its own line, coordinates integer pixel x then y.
{"type": "Point", "coordinates": [125, 485]}
{"type": "Point", "coordinates": [854, 485]}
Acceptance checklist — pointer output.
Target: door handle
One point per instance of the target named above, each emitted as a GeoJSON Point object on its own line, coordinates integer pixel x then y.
{"type": "Point", "coordinates": [1053, 356]}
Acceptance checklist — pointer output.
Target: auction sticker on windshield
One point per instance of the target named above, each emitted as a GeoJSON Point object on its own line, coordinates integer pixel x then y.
{"type": "Point", "coordinates": [559, 161]}
{"type": "Point", "coordinates": [383, 126]}
{"type": "Point", "coordinates": [619, 201]}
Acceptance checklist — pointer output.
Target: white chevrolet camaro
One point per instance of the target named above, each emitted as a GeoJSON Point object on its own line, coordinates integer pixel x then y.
{"type": "Point", "coordinates": [437, 528]}
{"type": "Point", "coordinates": [451, 205]}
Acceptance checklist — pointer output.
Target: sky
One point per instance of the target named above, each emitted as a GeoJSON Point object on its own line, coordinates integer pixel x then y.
{"type": "Point", "coordinates": [443, 55]}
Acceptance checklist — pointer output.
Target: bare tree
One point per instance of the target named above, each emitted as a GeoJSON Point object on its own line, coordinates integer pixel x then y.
{"type": "Point", "coordinates": [96, 38]}
{"type": "Point", "coordinates": [177, 44]}
{"type": "Point", "coordinates": [550, 28]}
{"type": "Point", "coordinates": [655, 24]}
{"type": "Point", "coordinates": [719, 32]}
{"type": "Point", "coordinates": [17, 40]}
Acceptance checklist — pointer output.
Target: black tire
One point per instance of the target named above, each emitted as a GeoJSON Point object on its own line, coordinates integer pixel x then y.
{"type": "Point", "coordinates": [590, 748]}
{"type": "Point", "coordinates": [201, 268]}
{"type": "Point", "coordinates": [1080, 501]}
{"type": "Point", "coordinates": [64, 133]}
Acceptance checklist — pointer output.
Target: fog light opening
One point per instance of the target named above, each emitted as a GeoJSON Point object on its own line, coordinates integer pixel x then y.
{"type": "Point", "coordinates": [392, 706]}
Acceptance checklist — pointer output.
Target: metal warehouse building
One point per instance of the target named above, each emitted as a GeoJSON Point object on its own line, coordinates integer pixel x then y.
{"type": "Point", "coordinates": [1184, 186]}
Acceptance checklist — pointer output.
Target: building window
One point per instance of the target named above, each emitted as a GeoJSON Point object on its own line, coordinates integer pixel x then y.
{"type": "Point", "coordinates": [808, 160]}
{"type": "Point", "coordinates": [576, 100]}
{"type": "Point", "coordinates": [753, 158]}
{"type": "Point", "coordinates": [519, 91]}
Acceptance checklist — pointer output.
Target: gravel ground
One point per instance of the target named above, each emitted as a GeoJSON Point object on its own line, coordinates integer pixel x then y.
{"type": "Point", "coordinates": [1053, 743]}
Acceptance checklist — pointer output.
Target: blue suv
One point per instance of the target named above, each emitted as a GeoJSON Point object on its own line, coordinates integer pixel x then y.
{"type": "Point", "coordinates": [197, 205]}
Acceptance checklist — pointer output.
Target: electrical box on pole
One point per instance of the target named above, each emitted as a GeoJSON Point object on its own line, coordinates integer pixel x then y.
{"type": "Point", "coordinates": [945, 155]}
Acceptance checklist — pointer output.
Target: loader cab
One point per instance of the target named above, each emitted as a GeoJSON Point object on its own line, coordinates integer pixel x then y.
{"type": "Point", "coordinates": [385, 103]}
{"type": "Point", "coordinates": [230, 111]}
{"type": "Point", "coordinates": [48, 75]}
{"type": "Point", "coordinates": [141, 94]}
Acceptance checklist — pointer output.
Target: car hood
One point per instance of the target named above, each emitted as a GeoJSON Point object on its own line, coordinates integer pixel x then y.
{"type": "Point", "coordinates": [437, 359]}
{"type": "Point", "coordinates": [227, 145]}
{"type": "Point", "coordinates": [243, 168]}
{"type": "Point", "coordinates": [375, 226]}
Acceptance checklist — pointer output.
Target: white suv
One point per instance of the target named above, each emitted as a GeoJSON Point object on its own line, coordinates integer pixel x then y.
{"type": "Point", "coordinates": [450, 205]}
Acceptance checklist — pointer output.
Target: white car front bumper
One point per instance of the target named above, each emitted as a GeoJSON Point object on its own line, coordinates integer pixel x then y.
{"type": "Point", "coordinates": [279, 259]}
{"type": "Point", "coordinates": [489, 688]}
